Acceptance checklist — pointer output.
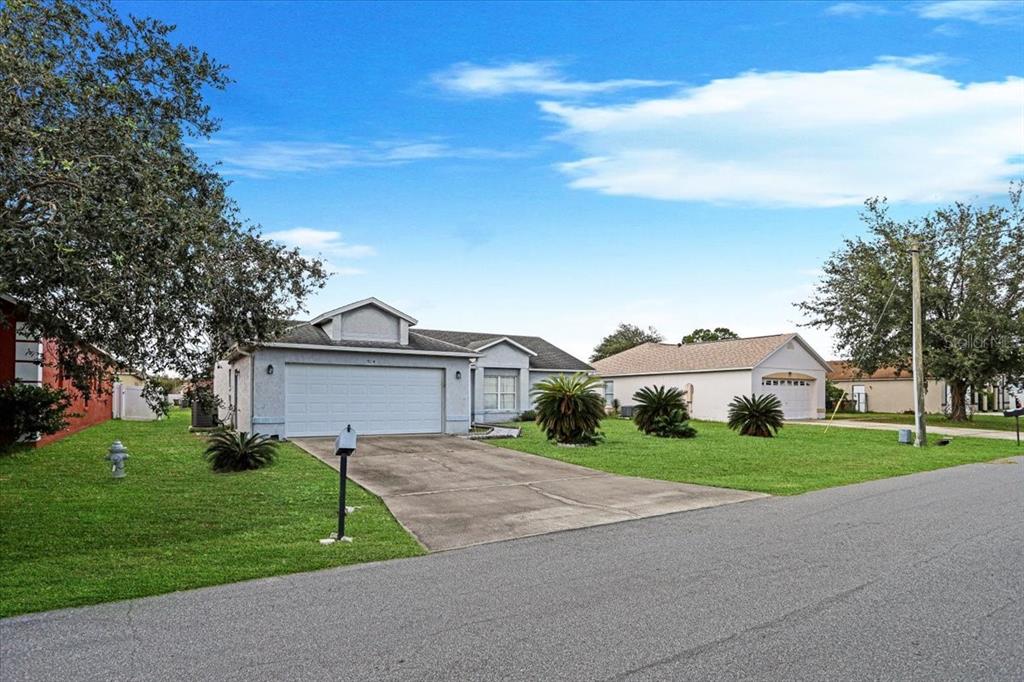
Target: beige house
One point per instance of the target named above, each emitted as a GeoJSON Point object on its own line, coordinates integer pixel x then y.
{"type": "Point", "coordinates": [711, 374]}
{"type": "Point", "coordinates": [887, 390]}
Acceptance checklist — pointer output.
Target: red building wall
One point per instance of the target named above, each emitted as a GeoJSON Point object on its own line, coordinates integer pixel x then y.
{"type": "Point", "coordinates": [99, 408]}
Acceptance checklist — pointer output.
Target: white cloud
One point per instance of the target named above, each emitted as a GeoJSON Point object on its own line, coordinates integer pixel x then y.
{"type": "Point", "coordinates": [327, 242]}
{"type": "Point", "coordinates": [538, 78]}
{"type": "Point", "coordinates": [827, 138]}
{"type": "Point", "coordinates": [857, 9]}
{"type": "Point", "coordinates": [916, 61]}
{"type": "Point", "coordinates": [976, 11]}
{"type": "Point", "coordinates": [263, 159]}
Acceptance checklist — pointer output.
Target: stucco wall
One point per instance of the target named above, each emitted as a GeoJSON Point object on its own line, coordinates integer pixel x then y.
{"type": "Point", "coordinates": [369, 323]}
{"type": "Point", "coordinates": [504, 358]}
{"type": "Point", "coordinates": [243, 365]}
{"type": "Point", "coordinates": [897, 395]}
{"type": "Point", "coordinates": [221, 370]}
{"type": "Point", "coordinates": [793, 357]}
{"type": "Point", "coordinates": [269, 408]}
{"type": "Point", "coordinates": [712, 391]}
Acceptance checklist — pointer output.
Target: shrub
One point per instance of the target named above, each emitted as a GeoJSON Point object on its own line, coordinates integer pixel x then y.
{"type": "Point", "coordinates": [29, 409]}
{"type": "Point", "coordinates": [759, 415]}
{"type": "Point", "coordinates": [569, 409]}
{"type": "Point", "coordinates": [653, 402]}
{"type": "Point", "coordinates": [527, 416]}
{"type": "Point", "coordinates": [673, 425]}
{"type": "Point", "coordinates": [238, 451]}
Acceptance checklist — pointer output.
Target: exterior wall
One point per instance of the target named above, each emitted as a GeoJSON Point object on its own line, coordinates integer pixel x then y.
{"type": "Point", "coordinates": [712, 391]}
{"type": "Point", "coordinates": [368, 323]}
{"type": "Point", "coordinates": [7, 342]}
{"type": "Point", "coordinates": [269, 395]}
{"type": "Point", "coordinates": [242, 398]}
{"type": "Point", "coordinates": [130, 380]}
{"type": "Point", "coordinates": [897, 395]}
{"type": "Point", "coordinates": [793, 357]}
{"type": "Point", "coordinates": [221, 384]}
{"type": "Point", "coordinates": [96, 410]}
{"type": "Point", "coordinates": [503, 358]}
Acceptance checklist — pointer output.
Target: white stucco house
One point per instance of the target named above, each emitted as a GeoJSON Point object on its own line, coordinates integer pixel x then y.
{"type": "Point", "coordinates": [368, 365]}
{"type": "Point", "coordinates": [711, 374]}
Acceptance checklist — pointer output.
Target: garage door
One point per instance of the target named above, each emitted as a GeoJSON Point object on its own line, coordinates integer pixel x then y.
{"type": "Point", "coordinates": [796, 395]}
{"type": "Point", "coordinates": [322, 399]}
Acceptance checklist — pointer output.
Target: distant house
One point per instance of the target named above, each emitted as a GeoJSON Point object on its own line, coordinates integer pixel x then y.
{"type": "Point", "coordinates": [711, 374]}
{"type": "Point", "coordinates": [888, 389]}
{"type": "Point", "coordinates": [367, 364]}
{"type": "Point", "coordinates": [30, 360]}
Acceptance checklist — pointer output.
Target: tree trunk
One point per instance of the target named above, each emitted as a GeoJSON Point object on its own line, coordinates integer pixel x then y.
{"type": "Point", "coordinates": [957, 400]}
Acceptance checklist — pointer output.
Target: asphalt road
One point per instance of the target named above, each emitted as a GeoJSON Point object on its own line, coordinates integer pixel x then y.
{"type": "Point", "coordinates": [916, 577]}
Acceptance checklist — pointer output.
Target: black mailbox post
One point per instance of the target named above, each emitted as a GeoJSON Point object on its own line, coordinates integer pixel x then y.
{"type": "Point", "coordinates": [1016, 414]}
{"type": "Point", "coordinates": [344, 446]}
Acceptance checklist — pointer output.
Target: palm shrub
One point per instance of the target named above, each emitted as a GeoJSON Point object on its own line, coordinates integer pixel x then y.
{"type": "Point", "coordinates": [653, 402]}
{"type": "Point", "coordinates": [238, 451]}
{"type": "Point", "coordinates": [759, 415]}
{"type": "Point", "coordinates": [570, 409]}
{"type": "Point", "coordinates": [672, 425]}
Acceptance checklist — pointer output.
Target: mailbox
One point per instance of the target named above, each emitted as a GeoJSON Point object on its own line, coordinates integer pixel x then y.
{"type": "Point", "coordinates": [345, 444]}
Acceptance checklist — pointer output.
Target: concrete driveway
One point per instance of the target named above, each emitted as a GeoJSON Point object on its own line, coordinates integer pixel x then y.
{"type": "Point", "coordinates": [452, 492]}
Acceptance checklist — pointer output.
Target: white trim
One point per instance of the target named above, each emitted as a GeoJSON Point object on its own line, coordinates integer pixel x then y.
{"type": "Point", "coordinates": [323, 317]}
{"type": "Point", "coordinates": [564, 371]}
{"type": "Point", "coordinates": [679, 371]}
{"type": "Point", "coordinates": [505, 339]}
{"type": "Point", "coordinates": [368, 349]}
{"type": "Point", "coordinates": [810, 351]}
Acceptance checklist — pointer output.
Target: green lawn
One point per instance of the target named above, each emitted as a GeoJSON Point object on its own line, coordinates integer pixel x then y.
{"type": "Point", "coordinates": [71, 535]}
{"type": "Point", "coordinates": [800, 459]}
{"type": "Point", "coordinates": [979, 421]}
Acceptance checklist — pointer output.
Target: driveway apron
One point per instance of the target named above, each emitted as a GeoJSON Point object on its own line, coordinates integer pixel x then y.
{"type": "Point", "coordinates": [452, 492]}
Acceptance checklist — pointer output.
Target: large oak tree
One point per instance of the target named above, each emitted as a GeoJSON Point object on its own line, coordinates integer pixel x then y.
{"type": "Point", "coordinates": [972, 272]}
{"type": "Point", "coordinates": [114, 233]}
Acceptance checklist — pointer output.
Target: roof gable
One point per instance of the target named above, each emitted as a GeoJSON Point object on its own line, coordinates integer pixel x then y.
{"type": "Point", "coordinates": [376, 302]}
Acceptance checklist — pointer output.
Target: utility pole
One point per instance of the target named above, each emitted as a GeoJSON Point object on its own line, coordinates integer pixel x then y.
{"type": "Point", "coordinates": [921, 437]}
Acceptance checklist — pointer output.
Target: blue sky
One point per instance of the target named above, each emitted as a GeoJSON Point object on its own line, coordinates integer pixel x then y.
{"type": "Point", "coordinates": [556, 169]}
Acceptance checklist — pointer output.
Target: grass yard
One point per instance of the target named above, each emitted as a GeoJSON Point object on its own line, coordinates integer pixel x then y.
{"type": "Point", "coordinates": [71, 535]}
{"type": "Point", "coordinates": [990, 422]}
{"type": "Point", "coordinates": [799, 459]}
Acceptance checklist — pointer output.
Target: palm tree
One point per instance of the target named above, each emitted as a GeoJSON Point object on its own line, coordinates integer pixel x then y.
{"type": "Point", "coordinates": [570, 408]}
{"type": "Point", "coordinates": [654, 402]}
{"type": "Point", "coordinates": [238, 451]}
{"type": "Point", "coordinates": [759, 415]}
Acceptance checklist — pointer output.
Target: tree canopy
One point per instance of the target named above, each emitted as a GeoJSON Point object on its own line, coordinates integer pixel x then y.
{"type": "Point", "coordinates": [624, 337]}
{"type": "Point", "coordinates": [716, 334]}
{"type": "Point", "coordinates": [114, 233]}
{"type": "Point", "coordinates": [972, 281]}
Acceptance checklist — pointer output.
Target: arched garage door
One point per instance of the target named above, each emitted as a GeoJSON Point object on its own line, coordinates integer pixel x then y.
{"type": "Point", "coordinates": [795, 394]}
{"type": "Point", "coordinates": [320, 400]}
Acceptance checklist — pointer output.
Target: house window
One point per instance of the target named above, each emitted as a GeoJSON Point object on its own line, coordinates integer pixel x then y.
{"type": "Point", "coordinates": [609, 392]}
{"type": "Point", "coordinates": [500, 393]}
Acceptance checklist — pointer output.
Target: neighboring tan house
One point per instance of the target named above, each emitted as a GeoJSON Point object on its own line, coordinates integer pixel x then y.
{"type": "Point", "coordinates": [887, 390]}
{"type": "Point", "coordinates": [31, 361]}
{"type": "Point", "coordinates": [711, 374]}
{"type": "Point", "coordinates": [366, 365]}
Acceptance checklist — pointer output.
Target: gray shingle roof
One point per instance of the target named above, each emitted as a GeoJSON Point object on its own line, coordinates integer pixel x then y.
{"type": "Point", "coordinates": [306, 333]}
{"type": "Point", "coordinates": [661, 358]}
{"type": "Point", "coordinates": [549, 356]}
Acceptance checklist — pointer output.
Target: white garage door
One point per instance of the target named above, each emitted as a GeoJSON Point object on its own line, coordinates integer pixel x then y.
{"type": "Point", "coordinates": [322, 399]}
{"type": "Point", "coordinates": [796, 395]}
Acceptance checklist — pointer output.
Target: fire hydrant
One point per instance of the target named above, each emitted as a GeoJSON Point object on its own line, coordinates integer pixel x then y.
{"type": "Point", "coordinates": [117, 455]}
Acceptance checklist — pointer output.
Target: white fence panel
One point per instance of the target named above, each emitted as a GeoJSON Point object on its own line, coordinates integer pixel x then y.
{"type": "Point", "coordinates": [129, 404]}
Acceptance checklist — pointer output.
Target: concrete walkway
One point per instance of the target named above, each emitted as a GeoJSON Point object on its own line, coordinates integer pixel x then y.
{"type": "Point", "coordinates": [939, 430]}
{"type": "Point", "coordinates": [452, 492]}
